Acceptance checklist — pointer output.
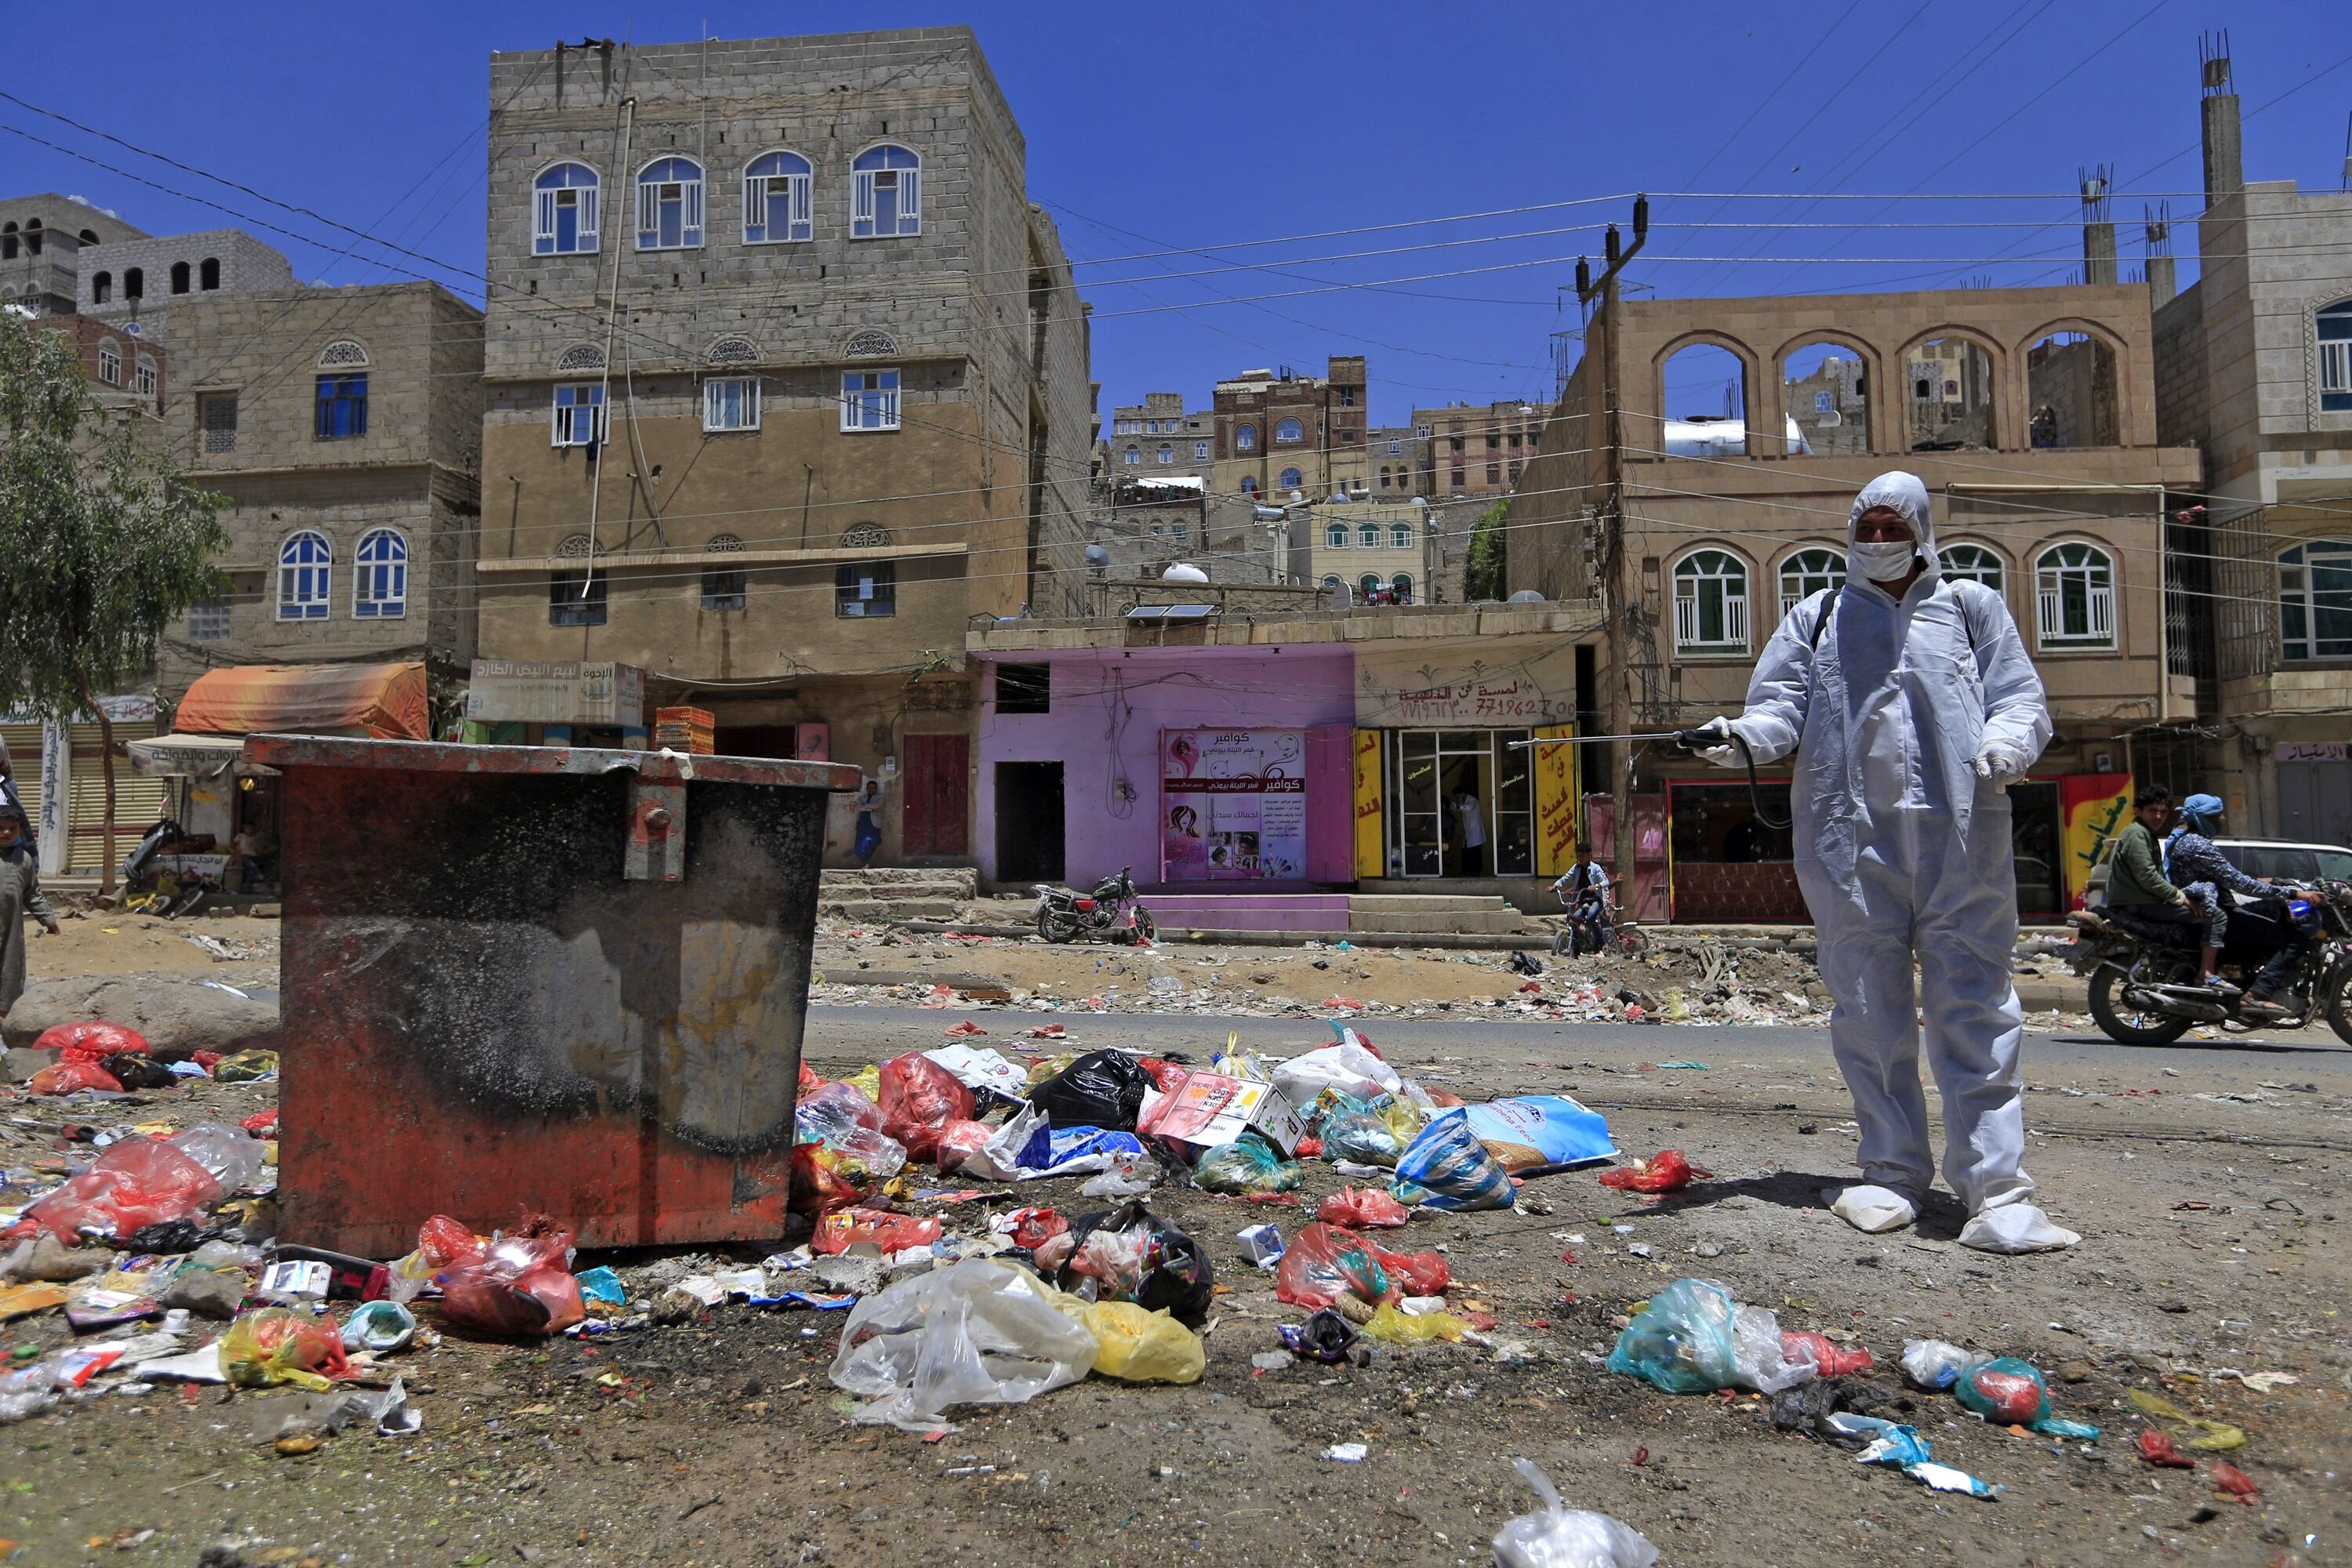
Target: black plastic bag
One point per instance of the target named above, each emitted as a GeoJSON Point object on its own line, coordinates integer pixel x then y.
{"type": "Point", "coordinates": [1326, 1336]}
{"type": "Point", "coordinates": [136, 1069]}
{"type": "Point", "coordinates": [1167, 1270]}
{"type": "Point", "coordinates": [170, 1236]}
{"type": "Point", "coordinates": [1101, 1088]}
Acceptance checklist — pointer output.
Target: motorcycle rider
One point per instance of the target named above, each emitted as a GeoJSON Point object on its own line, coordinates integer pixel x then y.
{"type": "Point", "coordinates": [1584, 888]}
{"type": "Point", "coordinates": [1915, 705]}
{"type": "Point", "coordinates": [2193, 855]}
{"type": "Point", "coordinates": [2136, 882]}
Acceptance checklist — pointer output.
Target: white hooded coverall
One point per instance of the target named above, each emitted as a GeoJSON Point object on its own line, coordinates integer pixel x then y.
{"type": "Point", "coordinates": [1902, 849]}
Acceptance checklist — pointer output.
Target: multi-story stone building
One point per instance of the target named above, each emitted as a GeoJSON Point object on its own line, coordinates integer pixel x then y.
{"type": "Point", "coordinates": [1157, 439]}
{"type": "Point", "coordinates": [1398, 458]}
{"type": "Point", "coordinates": [2254, 365]}
{"type": "Point", "coordinates": [1378, 550]}
{"type": "Point", "coordinates": [1831, 404]}
{"type": "Point", "coordinates": [1477, 451]}
{"type": "Point", "coordinates": [43, 240]}
{"type": "Point", "coordinates": [786, 380]}
{"type": "Point", "coordinates": [1278, 432]}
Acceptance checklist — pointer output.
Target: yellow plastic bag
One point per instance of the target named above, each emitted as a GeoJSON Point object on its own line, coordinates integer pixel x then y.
{"type": "Point", "coordinates": [1401, 1117]}
{"type": "Point", "coordinates": [2219, 1437]}
{"type": "Point", "coordinates": [276, 1346]}
{"type": "Point", "coordinates": [1137, 1346]}
{"type": "Point", "coordinates": [867, 1081]}
{"type": "Point", "coordinates": [245, 1067]}
{"type": "Point", "coordinates": [1403, 1328]}
{"type": "Point", "coordinates": [1051, 1066]}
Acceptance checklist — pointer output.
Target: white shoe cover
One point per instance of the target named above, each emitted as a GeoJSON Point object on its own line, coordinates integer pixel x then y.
{"type": "Point", "coordinates": [2015, 1228]}
{"type": "Point", "coordinates": [1873, 1210]}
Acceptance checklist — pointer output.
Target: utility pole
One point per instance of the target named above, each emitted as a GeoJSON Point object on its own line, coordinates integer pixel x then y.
{"type": "Point", "coordinates": [1618, 583]}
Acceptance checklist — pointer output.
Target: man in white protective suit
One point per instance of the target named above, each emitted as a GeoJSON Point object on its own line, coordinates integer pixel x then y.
{"type": "Point", "coordinates": [1912, 706]}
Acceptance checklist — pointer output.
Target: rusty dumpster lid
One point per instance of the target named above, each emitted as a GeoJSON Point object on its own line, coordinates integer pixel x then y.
{"type": "Point", "coordinates": [439, 757]}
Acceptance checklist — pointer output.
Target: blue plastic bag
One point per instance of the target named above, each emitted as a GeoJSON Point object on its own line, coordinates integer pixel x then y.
{"type": "Point", "coordinates": [1097, 1144]}
{"type": "Point", "coordinates": [1453, 1168]}
{"type": "Point", "coordinates": [1247, 1164]}
{"type": "Point", "coordinates": [1682, 1341]}
{"type": "Point", "coordinates": [1529, 1135]}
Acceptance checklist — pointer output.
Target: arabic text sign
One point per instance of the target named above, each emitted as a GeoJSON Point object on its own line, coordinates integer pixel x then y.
{"type": "Point", "coordinates": [1233, 805]}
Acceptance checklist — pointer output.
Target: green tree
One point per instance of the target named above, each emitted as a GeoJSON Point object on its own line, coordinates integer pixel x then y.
{"type": "Point", "coordinates": [101, 544]}
{"type": "Point", "coordinates": [1484, 574]}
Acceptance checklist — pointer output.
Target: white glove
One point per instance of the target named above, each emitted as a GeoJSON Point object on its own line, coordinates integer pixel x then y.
{"type": "Point", "coordinates": [1726, 755]}
{"type": "Point", "coordinates": [2001, 761]}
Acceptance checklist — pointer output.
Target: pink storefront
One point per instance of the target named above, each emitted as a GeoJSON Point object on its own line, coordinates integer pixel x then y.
{"type": "Point", "coordinates": [1220, 772]}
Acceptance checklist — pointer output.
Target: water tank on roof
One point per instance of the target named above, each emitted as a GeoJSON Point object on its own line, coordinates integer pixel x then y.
{"type": "Point", "coordinates": [1097, 556]}
{"type": "Point", "coordinates": [1183, 572]}
{"type": "Point", "coordinates": [1525, 596]}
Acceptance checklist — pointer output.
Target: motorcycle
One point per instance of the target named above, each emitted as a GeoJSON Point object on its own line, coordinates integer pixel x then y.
{"type": "Point", "coordinates": [2145, 990]}
{"type": "Point", "coordinates": [1111, 913]}
{"type": "Point", "coordinates": [1581, 932]}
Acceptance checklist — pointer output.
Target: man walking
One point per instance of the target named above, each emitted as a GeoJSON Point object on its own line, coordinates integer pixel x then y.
{"type": "Point", "coordinates": [1911, 704]}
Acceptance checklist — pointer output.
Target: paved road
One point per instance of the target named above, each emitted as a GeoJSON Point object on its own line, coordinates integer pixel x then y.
{"type": "Point", "coordinates": [2307, 1054]}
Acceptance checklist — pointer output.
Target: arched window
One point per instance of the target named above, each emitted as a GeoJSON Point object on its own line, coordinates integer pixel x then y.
{"type": "Point", "coordinates": [1368, 536]}
{"type": "Point", "coordinates": [1710, 602]}
{"type": "Point", "coordinates": [1132, 456]}
{"type": "Point", "coordinates": [776, 199]}
{"type": "Point", "coordinates": [1384, 478]}
{"type": "Point", "coordinates": [7, 242]}
{"type": "Point", "coordinates": [208, 273]}
{"type": "Point", "coordinates": [1402, 586]}
{"type": "Point", "coordinates": [1972, 563]}
{"type": "Point", "coordinates": [179, 278]}
{"type": "Point", "coordinates": [109, 361]}
{"type": "Point", "coordinates": [576, 593]}
{"type": "Point", "coordinates": [2076, 594]}
{"type": "Point", "coordinates": [134, 282]}
{"type": "Point", "coordinates": [669, 204]}
{"type": "Point", "coordinates": [101, 289]}
{"type": "Point", "coordinates": [1245, 437]}
{"type": "Point", "coordinates": [725, 587]}
{"type": "Point", "coordinates": [2316, 600]}
{"type": "Point", "coordinates": [380, 576]}
{"type": "Point", "coordinates": [563, 211]}
{"type": "Point", "coordinates": [2334, 324]}
{"type": "Point", "coordinates": [1808, 572]}
{"type": "Point", "coordinates": [885, 193]}
{"type": "Point", "coordinates": [1288, 433]}
{"type": "Point", "coordinates": [305, 572]}
{"type": "Point", "coordinates": [1167, 454]}
{"type": "Point", "coordinates": [1333, 582]}
{"type": "Point", "coordinates": [1400, 536]}
{"type": "Point", "coordinates": [1291, 478]}
{"type": "Point", "coordinates": [1249, 484]}
{"type": "Point", "coordinates": [1368, 584]}
{"type": "Point", "coordinates": [33, 235]}
{"type": "Point", "coordinates": [1335, 536]}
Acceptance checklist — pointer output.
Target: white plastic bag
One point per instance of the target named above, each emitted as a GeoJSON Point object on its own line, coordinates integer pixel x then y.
{"type": "Point", "coordinates": [1345, 1067]}
{"type": "Point", "coordinates": [999, 1159]}
{"type": "Point", "coordinates": [1129, 1176]}
{"type": "Point", "coordinates": [974, 1332]}
{"type": "Point", "coordinates": [1756, 1357]}
{"type": "Point", "coordinates": [232, 1154]}
{"type": "Point", "coordinates": [1560, 1537]}
{"type": "Point", "coordinates": [1933, 1364]}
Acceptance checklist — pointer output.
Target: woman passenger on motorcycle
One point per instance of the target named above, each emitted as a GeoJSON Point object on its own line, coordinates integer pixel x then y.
{"type": "Point", "coordinates": [2192, 858]}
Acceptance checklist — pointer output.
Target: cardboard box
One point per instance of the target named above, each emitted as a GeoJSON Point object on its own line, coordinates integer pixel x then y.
{"type": "Point", "coordinates": [1208, 1108]}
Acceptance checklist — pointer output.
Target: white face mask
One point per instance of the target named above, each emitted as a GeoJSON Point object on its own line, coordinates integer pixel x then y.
{"type": "Point", "coordinates": [1881, 563]}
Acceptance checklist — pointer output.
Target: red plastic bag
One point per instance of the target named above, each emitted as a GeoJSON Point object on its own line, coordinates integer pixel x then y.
{"type": "Point", "coordinates": [809, 1078]}
{"type": "Point", "coordinates": [277, 1345]}
{"type": "Point", "coordinates": [890, 1232]}
{"type": "Point", "coordinates": [1032, 1228]}
{"type": "Point", "coordinates": [1311, 1148]}
{"type": "Point", "coordinates": [918, 1097]}
{"type": "Point", "coordinates": [1166, 1076]}
{"type": "Point", "coordinates": [1797, 1343]}
{"type": "Point", "coordinates": [1443, 1098]}
{"type": "Point", "coordinates": [2157, 1449]}
{"type": "Point", "coordinates": [1362, 1208]}
{"type": "Point", "coordinates": [1326, 1263]}
{"type": "Point", "coordinates": [261, 1123]}
{"type": "Point", "coordinates": [206, 1059]}
{"type": "Point", "coordinates": [90, 1041]}
{"type": "Point", "coordinates": [960, 1141]}
{"type": "Point", "coordinates": [1415, 1273]}
{"type": "Point", "coordinates": [140, 1181]}
{"type": "Point", "coordinates": [519, 1285]}
{"type": "Point", "coordinates": [1663, 1171]}
{"type": "Point", "coordinates": [2228, 1477]}
{"type": "Point", "coordinates": [71, 1074]}
{"type": "Point", "coordinates": [817, 1188]}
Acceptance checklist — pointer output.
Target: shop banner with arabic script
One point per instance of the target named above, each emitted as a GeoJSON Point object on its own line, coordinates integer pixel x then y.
{"type": "Point", "coordinates": [2096, 807]}
{"type": "Point", "coordinates": [1233, 805]}
{"type": "Point", "coordinates": [1446, 689]}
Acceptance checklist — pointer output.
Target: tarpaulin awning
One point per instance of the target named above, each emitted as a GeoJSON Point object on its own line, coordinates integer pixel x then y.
{"type": "Point", "coordinates": [379, 701]}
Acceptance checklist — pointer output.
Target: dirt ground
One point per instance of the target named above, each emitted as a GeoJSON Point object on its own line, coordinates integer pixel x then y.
{"type": "Point", "coordinates": [723, 1443]}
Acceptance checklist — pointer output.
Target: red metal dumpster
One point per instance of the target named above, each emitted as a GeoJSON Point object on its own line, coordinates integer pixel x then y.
{"type": "Point", "coordinates": [522, 978]}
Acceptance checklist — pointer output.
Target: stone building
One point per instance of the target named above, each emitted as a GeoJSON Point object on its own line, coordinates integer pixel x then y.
{"type": "Point", "coordinates": [1378, 550]}
{"type": "Point", "coordinates": [144, 278]}
{"type": "Point", "coordinates": [1142, 527]}
{"type": "Point", "coordinates": [1477, 451]}
{"type": "Point", "coordinates": [1398, 458]}
{"type": "Point", "coordinates": [2254, 367]}
{"type": "Point", "coordinates": [1718, 546]}
{"type": "Point", "coordinates": [1830, 405]}
{"type": "Point", "coordinates": [1157, 439]}
{"type": "Point", "coordinates": [44, 241]}
{"type": "Point", "coordinates": [786, 381]}
{"type": "Point", "coordinates": [1278, 432]}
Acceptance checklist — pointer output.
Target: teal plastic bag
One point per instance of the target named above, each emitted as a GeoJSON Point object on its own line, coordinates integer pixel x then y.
{"type": "Point", "coordinates": [1681, 1341]}
{"type": "Point", "coordinates": [1453, 1168]}
{"type": "Point", "coordinates": [1359, 1136]}
{"type": "Point", "coordinates": [1247, 1164]}
{"type": "Point", "coordinates": [2004, 1391]}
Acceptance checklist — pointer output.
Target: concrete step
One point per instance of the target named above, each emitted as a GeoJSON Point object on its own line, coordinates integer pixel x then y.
{"type": "Point", "coordinates": [895, 877]}
{"type": "Point", "coordinates": [1486, 923]}
{"type": "Point", "coordinates": [876, 911]}
{"type": "Point", "coordinates": [1423, 903]}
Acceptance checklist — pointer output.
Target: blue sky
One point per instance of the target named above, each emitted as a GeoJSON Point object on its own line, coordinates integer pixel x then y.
{"type": "Point", "coordinates": [1156, 130]}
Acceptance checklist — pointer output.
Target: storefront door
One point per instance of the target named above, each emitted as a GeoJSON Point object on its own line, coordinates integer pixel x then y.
{"type": "Point", "coordinates": [1429, 773]}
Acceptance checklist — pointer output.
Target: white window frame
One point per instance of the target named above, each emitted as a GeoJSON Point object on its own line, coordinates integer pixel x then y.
{"type": "Point", "coordinates": [1806, 571]}
{"type": "Point", "coordinates": [906, 180]}
{"type": "Point", "coordinates": [1291, 478]}
{"type": "Point", "coordinates": [1735, 591]}
{"type": "Point", "coordinates": [1335, 536]}
{"type": "Point", "coordinates": [1368, 536]}
{"type": "Point", "coordinates": [143, 378]}
{"type": "Point", "coordinates": [870, 400]}
{"type": "Point", "coordinates": [380, 576]}
{"type": "Point", "coordinates": [545, 201]}
{"type": "Point", "coordinates": [1244, 437]}
{"type": "Point", "coordinates": [1132, 456]}
{"type": "Point", "coordinates": [1199, 451]}
{"type": "Point", "coordinates": [565, 423]}
{"type": "Point", "coordinates": [1988, 561]}
{"type": "Point", "coordinates": [109, 361]}
{"type": "Point", "coordinates": [2332, 328]}
{"type": "Point", "coordinates": [1166, 454]}
{"type": "Point", "coordinates": [1297, 437]}
{"type": "Point", "coordinates": [651, 185]}
{"type": "Point", "coordinates": [2298, 591]}
{"type": "Point", "coordinates": [306, 585]}
{"type": "Point", "coordinates": [731, 402]}
{"type": "Point", "coordinates": [1400, 536]}
{"type": "Point", "coordinates": [2050, 577]}
{"type": "Point", "coordinates": [761, 197]}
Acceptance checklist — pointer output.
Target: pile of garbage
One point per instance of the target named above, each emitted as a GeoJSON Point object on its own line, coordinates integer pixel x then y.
{"type": "Point", "coordinates": [110, 1059]}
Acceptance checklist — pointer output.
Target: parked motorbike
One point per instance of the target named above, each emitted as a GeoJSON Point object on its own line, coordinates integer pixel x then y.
{"type": "Point", "coordinates": [2144, 985]}
{"type": "Point", "coordinates": [1110, 913]}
